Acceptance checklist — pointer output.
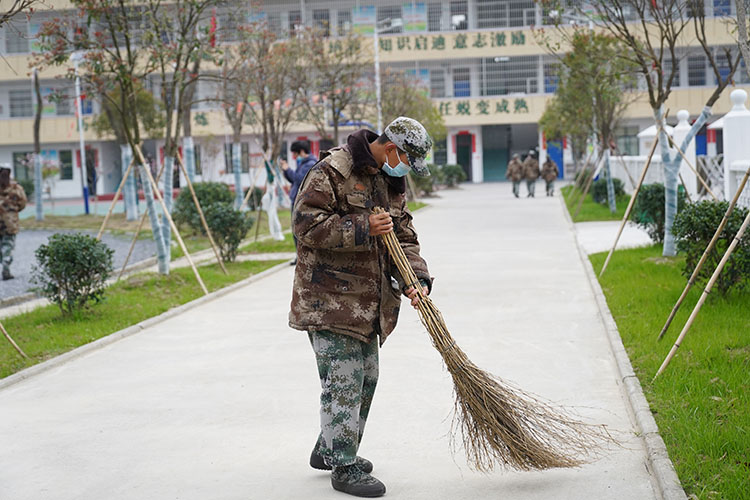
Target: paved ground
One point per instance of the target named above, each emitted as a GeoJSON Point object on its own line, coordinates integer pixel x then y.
{"type": "Point", "coordinates": [221, 401]}
{"type": "Point", "coordinates": [28, 241]}
{"type": "Point", "coordinates": [599, 236]}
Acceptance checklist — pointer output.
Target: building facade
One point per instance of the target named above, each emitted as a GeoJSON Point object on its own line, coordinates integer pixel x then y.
{"type": "Point", "coordinates": [479, 59]}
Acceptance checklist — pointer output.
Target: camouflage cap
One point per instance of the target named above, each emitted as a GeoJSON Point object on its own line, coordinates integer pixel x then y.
{"type": "Point", "coordinates": [411, 137]}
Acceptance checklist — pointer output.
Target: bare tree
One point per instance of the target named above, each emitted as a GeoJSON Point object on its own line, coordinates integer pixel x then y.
{"type": "Point", "coordinates": [743, 6]}
{"type": "Point", "coordinates": [653, 31]}
{"type": "Point", "coordinates": [9, 8]}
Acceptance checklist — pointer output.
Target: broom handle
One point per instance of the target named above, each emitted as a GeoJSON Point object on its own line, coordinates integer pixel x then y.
{"type": "Point", "coordinates": [709, 248]}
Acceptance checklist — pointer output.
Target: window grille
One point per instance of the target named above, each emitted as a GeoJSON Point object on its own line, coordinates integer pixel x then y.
{"type": "Point", "coordinates": [198, 164]}
{"type": "Point", "coordinates": [344, 21]}
{"type": "Point", "coordinates": [295, 20]}
{"type": "Point", "coordinates": [22, 166]}
{"type": "Point", "coordinates": [244, 158]}
{"type": "Point", "coordinates": [511, 75]}
{"type": "Point", "coordinates": [66, 165]}
{"type": "Point", "coordinates": [274, 22]}
{"type": "Point", "coordinates": [666, 67]}
{"type": "Point", "coordinates": [435, 17]}
{"type": "Point", "coordinates": [723, 8]}
{"type": "Point", "coordinates": [461, 82]}
{"type": "Point", "coordinates": [459, 15]}
{"type": "Point", "coordinates": [696, 70]}
{"type": "Point", "coordinates": [437, 83]}
{"type": "Point", "coordinates": [440, 152]}
{"type": "Point", "coordinates": [322, 21]}
{"type": "Point", "coordinates": [20, 103]}
{"type": "Point", "coordinates": [626, 139]}
{"type": "Point", "coordinates": [551, 76]}
{"type": "Point", "coordinates": [16, 37]}
{"type": "Point", "coordinates": [390, 12]}
{"type": "Point", "coordinates": [64, 103]}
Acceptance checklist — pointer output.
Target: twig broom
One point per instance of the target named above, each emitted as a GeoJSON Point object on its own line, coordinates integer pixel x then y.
{"type": "Point", "coordinates": [500, 425]}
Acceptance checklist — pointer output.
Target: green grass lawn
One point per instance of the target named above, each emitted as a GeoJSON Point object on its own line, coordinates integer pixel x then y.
{"type": "Point", "coordinates": [44, 332]}
{"type": "Point", "coordinates": [415, 205]}
{"type": "Point", "coordinates": [702, 401]}
{"type": "Point", "coordinates": [591, 210]}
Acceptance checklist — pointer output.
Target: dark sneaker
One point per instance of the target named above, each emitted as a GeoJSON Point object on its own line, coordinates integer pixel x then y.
{"type": "Point", "coordinates": [317, 462]}
{"type": "Point", "coordinates": [7, 275]}
{"type": "Point", "coordinates": [353, 480]}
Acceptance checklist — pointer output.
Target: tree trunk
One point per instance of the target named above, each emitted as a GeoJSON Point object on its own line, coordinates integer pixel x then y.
{"type": "Point", "coordinates": [610, 183]}
{"type": "Point", "coordinates": [161, 250]}
{"type": "Point", "coordinates": [38, 151]}
{"type": "Point", "coordinates": [129, 192]}
{"type": "Point", "coordinates": [237, 168]}
{"type": "Point", "coordinates": [168, 201]}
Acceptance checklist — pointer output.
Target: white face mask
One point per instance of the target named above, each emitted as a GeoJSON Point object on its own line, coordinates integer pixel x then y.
{"type": "Point", "coordinates": [399, 170]}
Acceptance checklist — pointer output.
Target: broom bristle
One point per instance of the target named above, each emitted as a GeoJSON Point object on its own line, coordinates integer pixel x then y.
{"type": "Point", "coordinates": [501, 425]}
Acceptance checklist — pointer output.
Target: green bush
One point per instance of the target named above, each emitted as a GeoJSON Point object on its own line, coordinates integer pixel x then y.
{"type": "Point", "coordinates": [694, 227]}
{"type": "Point", "coordinates": [72, 269]}
{"type": "Point", "coordinates": [228, 227]}
{"type": "Point", "coordinates": [254, 201]}
{"type": "Point", "coordinates": [648, 211]}
{"type": "Point", "coordinates": [425, 185]}
{"type": "Point", "coordinates": [599, 189]}
{"type": "Point", "coordinates": [453, 174]}
{"type": "Point", "coordinates": [208, 193]}
{"type": "Point", "coordinates": [28, 187]}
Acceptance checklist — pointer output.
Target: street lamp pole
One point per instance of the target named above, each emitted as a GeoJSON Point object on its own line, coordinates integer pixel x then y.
{"type": "Point", "coordinates": [76, 57]}
{"type": "Point", "coordinates": [387, 24]}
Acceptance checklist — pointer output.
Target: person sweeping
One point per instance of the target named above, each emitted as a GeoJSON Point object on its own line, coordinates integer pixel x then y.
{"type": "Point", "coordinates": [347, 291]}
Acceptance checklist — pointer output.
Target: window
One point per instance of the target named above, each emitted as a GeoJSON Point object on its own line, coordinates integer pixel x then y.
{"type": "Point", "coordinates": [344, 22]}
{"type": "Point", "coordinates": [20, 103]}
{"type": "Point", "coordinates": [198, 164]}
{"type": "Point", "coordinates": [551, 78]}
{"type": "Point", "coordinates": [66, 165]}
{"type": "Point", "coordinates": [666, 68]}
{"type": "Point", "coordinates": [521, 13]}
{"type": "Point", "coordinates": [626, 139]}
{"type": "Point", "coordinates": [228, 27]}
{"type": "Point", "coordinates": [64, 102]}
{"type": "Point", "coordinates": [322, 21]}
{"type": "Point", "coordinates": [459, 15]}
{"type": "Point", "coordinates": [22, 166]}
{"type": "Point", "coordinates": [295, 20]}
{"type": "Point", "coordinates": [461, 82]}
{"type": "Point", "coordinates": [510, 75]}
{"type": "Point", "coordinates": [244, 158]}
{"type": "Point", "coordinates": [440, 152]}
{"type": "Point", "coordinates": [722, 8]}
{"type": "Point", "coordinates": [390, 12]}
{"type": "Point", "coordinates": [274, 22]}
{"type": "Point", "coordinates": [16, 37]}
{"type": "Point", "coordinates": [723, 65]}
{"type": "Point", "coordinates": [437, 83]}
{"type": "Point", "coordinates": [435, 17]}
{"type": "Point", "coordinates": [696, 71]}
{"type": "Point", "coordinates": [492, 14]}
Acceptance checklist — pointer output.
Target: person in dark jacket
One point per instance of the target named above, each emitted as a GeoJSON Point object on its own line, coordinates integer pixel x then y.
{"type": "Point", "coordinates": [305, 161]}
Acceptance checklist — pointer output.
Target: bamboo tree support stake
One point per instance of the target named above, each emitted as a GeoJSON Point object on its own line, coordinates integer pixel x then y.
{"type": "Point", "coordinates": [672, 143]}
{"type": "Point", "coordinates": [631, 204]}
{"type": "Point", "coordinates": [200, 213]}
{"type": "Point", "coordinates": [704, 257]}
{"type": "Point", "coordinates": [168, 216]}
{"type": "Point", "coordinates": [10, 339]}
{"type": "Point", "coordinates": [114, 200]}
{"type": "Point", "coordinates": [704, 296]}
{"type": "Point", "coordinates": [625, 168]}
{"type": "Point", "coordinates": [138, 230]}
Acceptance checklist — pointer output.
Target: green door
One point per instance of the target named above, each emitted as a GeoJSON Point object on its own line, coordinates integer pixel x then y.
{"type": "Point", "coordinates": [463, 153]}
{"type": "Point", "coordinates": [495, 164]}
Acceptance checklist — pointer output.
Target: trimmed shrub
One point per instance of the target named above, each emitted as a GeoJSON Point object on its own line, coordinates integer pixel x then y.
{"type": "Point", "coordinates": [72, 269]}
{"type": "Point", "coordinates": [694, 227]}
{"type": "Point", "coordinates": [648, 211]}
{"type": "Point", "coordinates": [453, 175]}
{"type": "Point", "coordinates": [228, 227]}
{"type": "Point", "coordinates": [28, 187]}
{"type": "Point", "coordinates": [208, 193]}
{"type": "Point", "coordinates": [425, 185]}
{"type": "Point", "coordinates": [599, 189]}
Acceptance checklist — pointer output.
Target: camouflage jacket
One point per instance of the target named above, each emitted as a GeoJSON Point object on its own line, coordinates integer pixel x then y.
{"type": "Point", "coordinates": [530, 169]}
{"type": "Point", "coordinates": [515, 170]}
{"type": "Point", "coordinates": [12, 201]}
{"type": "Point", "coordinates": [342, 280]}
{"type": "Point", "coordinates": [549, 170]}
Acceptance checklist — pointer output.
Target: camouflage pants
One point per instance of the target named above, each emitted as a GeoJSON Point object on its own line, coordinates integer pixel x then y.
{"type": "Point", "coordinates": [7, 244]}
{"type": "Point", "coordinates": [550, 188]}
{"type": "Point", "coordinates": [348, 370]}
{"type": "Point", "coordinates": [530, 185]}
{"type": "Point", "coordinates": [516, 188]}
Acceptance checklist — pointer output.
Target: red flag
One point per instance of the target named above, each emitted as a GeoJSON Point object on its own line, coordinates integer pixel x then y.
{"type": "Point", "coordinates": [212, 29]}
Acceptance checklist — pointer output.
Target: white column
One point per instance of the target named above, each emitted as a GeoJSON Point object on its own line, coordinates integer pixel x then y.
{"type": "Point", "coordinates": [680, 131]}
{"type": "Point", "coordinates": [542, 148]}
{"type": "Point", "coordinates": [451, 146]}
{"type": "Point", "coordinates": [736, 133]}
{"type": "Point", "coordinates": [477, 165]}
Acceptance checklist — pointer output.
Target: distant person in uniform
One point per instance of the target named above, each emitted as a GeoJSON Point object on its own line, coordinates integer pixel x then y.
{"type": "Point", "coordinates": [515, 173]}
{"type": "Point", "coordinates": [531, 172]}
{"type": "Point", "coordinates": [549, 174]}
{"type": "Point", "coordinates": [12, 201]}
{"type": "Point", "coordinates": [305, 161]}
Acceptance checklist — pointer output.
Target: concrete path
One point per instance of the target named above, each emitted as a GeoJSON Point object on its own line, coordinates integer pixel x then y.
{"type": "Point", "coordinates": [221, 401]}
